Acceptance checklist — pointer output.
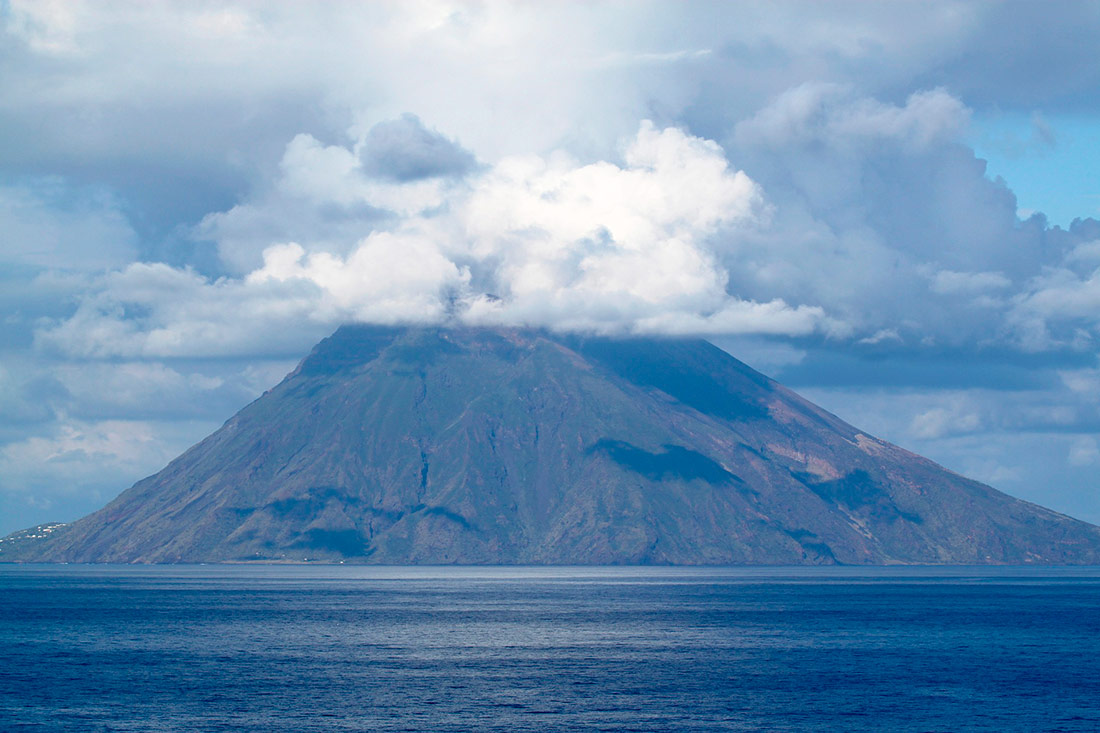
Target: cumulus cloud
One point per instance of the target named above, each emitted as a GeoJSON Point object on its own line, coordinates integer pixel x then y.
{"type": "Point", "coordinates": [155, 310]}
{"type": "Point", "coordinates": [603, 244]}
{"type": "Point", "coordinates": [813, 112]}
{"type": "Point", "coordinates": [864, 219]}
{"type": "Point", "coordinates": [846, 214]}
{"type": "Point", "coordinates": [405, 150]}
{"type": "Point", "coordinates": [548, 241]}
{"type": "Point", "coordinates": [883, 217]}
{"type": "Point", "coordinates": [1060, 307]}
{"type": "Point", "coordinates": [388, 279]}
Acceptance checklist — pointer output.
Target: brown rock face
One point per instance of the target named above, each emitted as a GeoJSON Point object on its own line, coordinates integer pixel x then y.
{"type": "Point", "coordinates": [418, 445]}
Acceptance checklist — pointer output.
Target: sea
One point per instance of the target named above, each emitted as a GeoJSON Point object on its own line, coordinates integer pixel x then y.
{"type": "Point", "coordinates": [343, 648]}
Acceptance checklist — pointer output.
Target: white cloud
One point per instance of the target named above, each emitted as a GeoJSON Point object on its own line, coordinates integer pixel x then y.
{"type": "Point", "coordinates": [1058, 308]}
{"type": "Point", "coordinates": [321, 173]}
{"type": "Point", "coordinates": [1061, 292]}
{"type": "Point", "coordinates": [154, 310]}
{"type": "Point", "coordinates": [78, 465]}
{"type": "Point", "coordinates": [1085, 253]}
{"type": "Point", "coordinates": [833, 112]}
{"type": "Point", "coordinates": [631, 238]}
{"type": "Point", "coordinates": [531, 240]}
{"type": "Point", "coordinates": [668, 237]}
{"type": "Point", "coordinates": [860, 214]}
{"type": "Point", "coordinates": [1085, 383]}
{"type": "Point", "coordinates": [48, 26]}
{"type": "Point", "coordinates": [388, 279]}
{"type": "Point", "coordinates": [940, 421]}
{"type": "Point", "coordinates": [665, 237]}
{"type": "Point", "coordinates": [880, 336]}
{"type": "Point", "coordinates": [948, 282]}
{"type": "Point", "coordinates": [741, 317]}
{"type": "Point", "coordinates": [1084, 451]}
{"type": "Point", "coordinates": [883, 218]}
{"type": "Point", "coordinates": [123, 441]}
{"type": "Point", "coordinates": [993, 472]}
{"type": "Point", "coordinates": [63, 461]}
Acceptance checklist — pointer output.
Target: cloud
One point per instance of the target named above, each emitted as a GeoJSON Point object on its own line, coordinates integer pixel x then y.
{"type": "Point", "coordinates": [322, 195]}
{"type": "Point", "coordinates": [939, 421]}
{"type": "Point", "coordinates": [155, 310]}
{"type": "Point", "coordinates": [122, 441]}
{"type": "Point", "coordinates": [1086, 252]}
{"type": "Point", "coordinates": [1059, 308]}
{"type": "Point", "coordinates": [881, 336]}
{"type": "Point", "coordinates": [948, 282]}
{"type": "Point", "coordinates": [260, 177]}
{"type": "Point", "coordinates": [887, 221]}
{"type": "Point", "coordinates": [627, 241]}
{"type": "Point", "coordinates": [1085, 383]}
{"type": "Point", "coordinates": [546, 241]}
{"type": "Point", "coordinates": [387, 279]}
{"type": "Point", "coordinates": [151, 390]}
{"type": "Point", "coordinates": [321, 173]}
{"type": "Point", "coordinates": [862, 219]}
{"type": "Point", "coordinates": [78, 465]}
{"type": "Point", "coordinates": [1084, 452]}
{"type": "Point", "coordinates": [220, 88]}
{"type": "Point", "coordinates": [26, 395]}
{"type": "Point", "coordinates": [405, 150]}
{"type": "Point", "coordinates": [1061, 292]}
{"type": "Point", "coordinates": [48, 224]}
{"type": "Point", "coordinates": [865, 220]}
{"type": "Point", "coordinates": [821, 111]}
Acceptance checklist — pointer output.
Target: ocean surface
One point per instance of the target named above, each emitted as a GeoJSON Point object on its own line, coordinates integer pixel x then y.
{"type": "Point", "coordinates": [304, 648]}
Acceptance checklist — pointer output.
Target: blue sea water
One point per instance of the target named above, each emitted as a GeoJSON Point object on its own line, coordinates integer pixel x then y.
{"type": "Point", "coordinates": [304, 648]}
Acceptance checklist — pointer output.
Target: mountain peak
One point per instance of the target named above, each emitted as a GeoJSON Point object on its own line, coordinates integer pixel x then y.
{"type": "Point", "coordinates": [511, 445]}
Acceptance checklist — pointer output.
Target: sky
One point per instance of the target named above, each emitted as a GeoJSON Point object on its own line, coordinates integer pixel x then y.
{"type": "Point", "coordinates": [893, 208]}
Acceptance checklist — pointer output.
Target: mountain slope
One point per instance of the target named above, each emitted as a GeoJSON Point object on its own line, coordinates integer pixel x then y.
{"type": "Point", "coordinates": [425, 445]}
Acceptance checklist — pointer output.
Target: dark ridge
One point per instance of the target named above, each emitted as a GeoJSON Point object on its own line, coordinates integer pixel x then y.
{"type": "Point", "coordinates": [818, 548]}
{"type": "Point", "coordinates": [680, 368]}
{"type": "Point", "coordinates": [313, 502]}
{"type": "Point", "coordinates": [809, 542]}
{"type": "Point", "coordinates": [675, 462]}
{"type": "Point", "coordinates": [858, 490]}
{"type": "Point", "coordinates": [346, 542]}
{"type": "Point", "coordinates": [349, 347]}
{"type": "Point", "coordinates": [441, 511]}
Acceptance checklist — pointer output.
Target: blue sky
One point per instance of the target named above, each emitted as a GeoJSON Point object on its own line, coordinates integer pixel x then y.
{"type": "Point", "coordinates": [891, 207]}
{"type": "Point", "coordinates": [1050, 164]}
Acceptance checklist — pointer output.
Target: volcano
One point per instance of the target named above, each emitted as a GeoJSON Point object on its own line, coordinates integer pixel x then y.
{"type": "Point", "coordinates": [519, 446]}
